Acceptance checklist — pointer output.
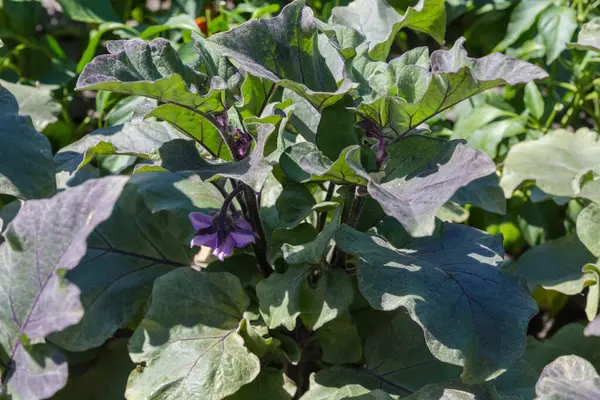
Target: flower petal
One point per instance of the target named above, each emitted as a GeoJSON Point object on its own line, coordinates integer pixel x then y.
{"type": "Point", "coordinates": [225, 249]}
{"type": "Point", "coordinates": [200, 220]}
{"type": "Point", "coordinates": [242, 239]}
{"type": "Point", "coordinates": [243, 224]}
{"type": "Point", "coordinates": [209, 240]}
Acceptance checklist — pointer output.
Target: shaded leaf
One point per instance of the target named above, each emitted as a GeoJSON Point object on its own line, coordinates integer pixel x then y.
{"type": "Point", "coordinates": [556, 26]}
{"type": "Point", "coordinates": [128, 252]}
{"type": "Point", "coordinates": [270, 384]}
{"type": "Point", "coordinates": [92, 11]}
{"type": "Point", "coordinates": [484, 193]}
{"type": "Point", "coordinates": [421, 174]}
{"type": "Point", "coordinates": [522, 18]}
{"type": "Point", "coordinates": [340, 341]}
{"type": "Point", "coordinates": [588, 228]}
{"type": "Point", "coordinates": [188, 339]}
{"type": "Point", "coordinates": [36, 102]}
{"type": "Point", "coordinates": [451, 285]}
{"type": "Point", "coordinates": [46, 239]}
{"type": "Point", "coordinates": [26, 169]}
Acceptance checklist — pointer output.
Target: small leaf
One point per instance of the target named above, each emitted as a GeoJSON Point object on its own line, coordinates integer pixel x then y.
{"type": "Point", "coordinates": [92, 11]}
{"type": "Point", "coordinates": [314, 251]}
{"type": "Point", "coordinates": [588, 228]}
{"type": "Point", "coordinates": [46, 238]}
{"type": "Point", "coordinates": [522, 18]}
{"type": "Point", "coordinates": [450, 285]}
{"type": "Point", "coordinates": [282, 297]}
{"type": "Point", "coordinates": [568, 378]}
{"type": "Point", "coordinates": [26, 168]}
{"type": "Point", "coordinates": [589, 36]}
{"type": "Point", "coordinates": [556, 27]}
{"type": "Point", "coordinates": [188, 339]}
{"type": "Point", "coordinates": [533, 100]}
{"type": "Point", "coordinates": [334, 384]}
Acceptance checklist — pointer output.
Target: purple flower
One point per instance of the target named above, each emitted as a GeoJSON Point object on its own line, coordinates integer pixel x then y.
{"type": "Point", "coordinates": [242, 142]}
{"type": "Point", "coordinates": [374, 131]}
{"type": "Point", "coordinates": [221, 232]}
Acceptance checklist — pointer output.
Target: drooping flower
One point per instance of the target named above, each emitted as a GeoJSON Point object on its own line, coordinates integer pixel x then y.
{"type": "Point", "coordinates": [221, 232]}
{"type": "Point", "coordinates": [242, 142]}
{"type": "Point", "coordinates": [373, 130]}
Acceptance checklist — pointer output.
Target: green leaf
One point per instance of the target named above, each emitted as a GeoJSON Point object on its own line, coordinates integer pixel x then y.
{"type": "Point", "coordinates": [450, 285]}
{"type": "Point", "coordinates": [380, 23]}
{"type": "Point", "coordinates": [146, 237]}
{"type": "Point", "coordinates": [568, 378]}
{"type": "Point", "coordinates": [484, 193]}
{"type": "Point", "coordinates": [557, 26]}
{"type": "Point", "coordinates": [295, 203]}
{"type": "Point", "coordinates": [142, 140]}
{"type": "Point", "coordinates": [409, 94]}
{"type": "Point", "coordinates": [270, 384]}
{"type": "Point", "coordinates": [26, 167]}
{"type": "Point", "coordinates": [253, 170]}
{"type": "Point", "coordinates": [91, 11]}
{"type": "Point", "coordinates": [36, 102]}
{"type": "Point", "coordinates": [317, 295]}
{"type": "Point", "coordinates": [314, 251]}
{"type": "Point", "coordinates": [334, 384]}
{"type": "Point", "coordinates": [46, 239]}
{"type": "Point", "coordinates": [418, 168]}
{"type": "Point", "coordinates": [570, 339]}
{"type": "Point", "coordinates": [285, 51]}
{"type": "Point", "coordinates": [188, 339]}
{"type": "Point", "coordinates": [300, 234]}
{"type": "Point", "coordinates": [153, 70]}
{"type": "Point", "coordinates": [336, 129]}
{"type": "Point", "coordinates": [112, 365]}
{"type": "Point", "coordinates": [557, 162]}
{"type": "Point", "coordinates": [557, 265]}
{"type": "Point", "coordinates": [94, 42]}
{"type": "Point", "coordinates": [589, 36]}
{"type": "Point", "coordinates": [522, 18]}
{"type": "Point", "coordinates": [340, 341]}
{"type": "Point", "coordinates": [303, 162]}
{"type": "Point", "coordinates": [455, 390]}
{"type": "Point", "coordinates": [533, 100]}
{"type": "Point", "coordinates": [588, 228]}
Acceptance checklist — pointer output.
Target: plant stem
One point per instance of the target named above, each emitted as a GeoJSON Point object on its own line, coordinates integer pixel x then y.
{"type": "Point", "coordinates": [351, 215]}
{"type": "Point", "coordinates": [323, 216]}
{"type": "Point", "coordinates": [260, 247]}
{"type": "Point", "coordinates": [229, 199]}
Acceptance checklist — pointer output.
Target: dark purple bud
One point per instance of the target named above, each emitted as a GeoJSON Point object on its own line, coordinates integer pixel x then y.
{"type": "Point", "coordinates": [242, 142]}
{"type": "Point", "coordinates": [371, 128]}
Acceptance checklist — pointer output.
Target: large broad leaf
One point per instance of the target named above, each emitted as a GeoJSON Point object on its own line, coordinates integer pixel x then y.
{"type": "Point", "coordinates": [521, 19]}
{"type": "Point", "coordinates": [380, 23]}
{"type": "Point", "coordinates": [26, 168]}
{"type": "Point", "coordinates": [44, 241]}
{"type": "Point", "coordinates": [409, 92]}
{"type": "Point", "coordinates": [423, 173]}
{"type": "Point", "coordinates": [474, 313]}
{"type": "Point", "coordinates": [568, 378]}
{"type": "Point", "coordinates": [285, 51]}
{"type": "Point", "coordinates": [557, 26]}
{"type": "Point", "coordinates": [155, 70]}
{"type": "Point", "coordinates": [112, 365]}
{"type": "Point", "coordinates": [589, 36]}
{"type": "Point", "coordinates": [142, 140]}
{"type": "Point", "coordinates": [36, 102]}
{"type": "Point", "coordinates": [558, 163]}
{"type": "Point", "coordinates": [146, 237]}
{"type": "Point", "coordinates": [188, 340]}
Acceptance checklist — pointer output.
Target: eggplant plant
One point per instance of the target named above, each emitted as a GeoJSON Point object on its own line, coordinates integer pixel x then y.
{"type": "Point", "coordinates": [298, 153]}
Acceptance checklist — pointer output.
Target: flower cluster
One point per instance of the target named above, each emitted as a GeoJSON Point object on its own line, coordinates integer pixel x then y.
{"type": "Point", "coordinates": [221, 232]}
